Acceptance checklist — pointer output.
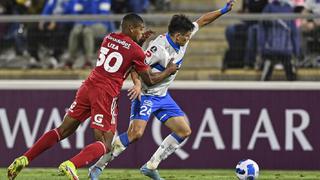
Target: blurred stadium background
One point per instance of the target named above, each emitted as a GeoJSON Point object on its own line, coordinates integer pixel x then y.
{"type": "Point", "coordinates": [45, 54]}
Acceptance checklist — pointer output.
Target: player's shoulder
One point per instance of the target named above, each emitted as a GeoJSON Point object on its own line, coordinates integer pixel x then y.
{"type": "Point", "coordinates": [157, 49]}
{"type": "Point", "coordinates": [110, 34]}
{"type": "Point", "coordinates": [158, 44]}
{"type": "Point", "coordinates": [136, 49]}
{"type": "Point", "coordinates": [124, 41]}
{"type": "Point", "coordinates": [119, 38]}
{"type": "Point", "coordinates": [160, 40]}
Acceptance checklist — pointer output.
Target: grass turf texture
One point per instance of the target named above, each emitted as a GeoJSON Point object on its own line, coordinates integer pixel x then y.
{"type": "Point", "coordinates": [134, 174]}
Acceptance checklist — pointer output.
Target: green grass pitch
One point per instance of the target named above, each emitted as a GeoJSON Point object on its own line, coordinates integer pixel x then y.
{"type": "Point", "coordinates": [186, 174]}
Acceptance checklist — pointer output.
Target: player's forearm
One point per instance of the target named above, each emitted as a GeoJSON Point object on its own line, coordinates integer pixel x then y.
{"type": "Point", "coordinates": [212, 16]}
{"type": "Point", "coordinates": [152, 78]}
{"type": "Point", "coordinates": [169, 70]}
{"type": "Point", "coordinates": [208, 18]}
{"type": "Point", "coordinates": [157, 77]}
{"type": "Point", "coordinates": [135, 78]}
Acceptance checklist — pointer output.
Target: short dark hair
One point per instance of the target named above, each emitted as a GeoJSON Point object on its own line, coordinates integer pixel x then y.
{"type": "Point", "coordinates": [180, 23]}
{"type": "Point", "coordinates": [131, 19]}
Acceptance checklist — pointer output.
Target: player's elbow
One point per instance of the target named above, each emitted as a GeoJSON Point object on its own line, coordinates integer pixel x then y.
{"type": "Point", "coordinates": [149, 81]}
{"type": "Point", "coordinates": [152, 82]}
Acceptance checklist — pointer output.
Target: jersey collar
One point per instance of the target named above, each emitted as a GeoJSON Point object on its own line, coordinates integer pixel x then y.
{"type": "Point", "coordinates": [175, 46]}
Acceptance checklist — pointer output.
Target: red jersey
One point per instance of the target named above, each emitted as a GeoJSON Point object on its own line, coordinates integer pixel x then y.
{"type": "Point", "coordinates": [118, 54]}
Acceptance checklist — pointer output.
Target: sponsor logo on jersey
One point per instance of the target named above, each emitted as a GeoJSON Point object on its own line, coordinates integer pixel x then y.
{"type": "Point", "coordinates": [125, 44]}
{"type": "Point", "coordinates": [153, 49]}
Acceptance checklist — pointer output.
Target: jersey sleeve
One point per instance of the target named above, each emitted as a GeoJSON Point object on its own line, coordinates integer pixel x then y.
{"type": "Point", "coordinates": [139, 61]}
{"type": "Point", "coordinates": [195, 30]}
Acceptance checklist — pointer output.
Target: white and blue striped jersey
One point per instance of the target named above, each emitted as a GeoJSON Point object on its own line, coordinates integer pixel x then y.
{"type": "Point", "coordinates": [158, 55]}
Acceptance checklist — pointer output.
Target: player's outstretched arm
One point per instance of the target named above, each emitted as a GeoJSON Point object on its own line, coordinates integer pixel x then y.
{"type": "Point", "coordinates": [150, 78]}
{"type": "Point", "coordinates": [211, 16]}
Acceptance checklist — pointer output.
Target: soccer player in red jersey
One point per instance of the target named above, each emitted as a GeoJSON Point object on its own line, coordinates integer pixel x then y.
{"type": "Point", "coordinates": [97, 98]}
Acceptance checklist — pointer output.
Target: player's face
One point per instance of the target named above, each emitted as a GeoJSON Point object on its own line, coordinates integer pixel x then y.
{"type": "Point", "coordinates": [182, 39]}
{"type": "Point", "coordinates": [137, 32]}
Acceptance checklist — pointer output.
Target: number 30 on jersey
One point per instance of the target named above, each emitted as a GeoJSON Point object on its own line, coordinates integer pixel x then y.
{"type": "Point", "coordinates": [105, 59]}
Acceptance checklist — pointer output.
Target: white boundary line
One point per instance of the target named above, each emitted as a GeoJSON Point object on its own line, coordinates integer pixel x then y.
{"type": "Point", "coordinates": [187, 85]}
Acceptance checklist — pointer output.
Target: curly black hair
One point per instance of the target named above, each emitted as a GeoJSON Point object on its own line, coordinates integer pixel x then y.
{"type": "Point", "coordinates": [180, 23]}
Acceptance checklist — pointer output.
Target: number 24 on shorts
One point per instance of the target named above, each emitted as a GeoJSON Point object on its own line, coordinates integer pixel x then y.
{"type": "Point", "coordinates": [145, 110]}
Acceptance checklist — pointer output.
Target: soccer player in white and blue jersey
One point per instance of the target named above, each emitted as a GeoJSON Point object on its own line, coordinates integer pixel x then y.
{"type": "Point", "coordinates": [156, 99]}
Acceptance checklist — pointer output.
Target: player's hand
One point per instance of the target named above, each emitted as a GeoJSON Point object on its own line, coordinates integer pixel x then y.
{"type": "Point", "coordinates": [147, 34]}
{"type": "Point", "coordinates": [172, 67]}
{"type": "Point", "coordinates": [227, 7]}
{"type": "Point", "coordinates": [135, 92]}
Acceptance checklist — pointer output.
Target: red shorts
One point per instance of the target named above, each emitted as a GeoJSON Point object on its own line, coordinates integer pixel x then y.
{"type": "Point", "coordinates": [95, 102]}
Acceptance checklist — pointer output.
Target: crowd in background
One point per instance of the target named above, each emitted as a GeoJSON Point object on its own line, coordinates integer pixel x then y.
{"type": "Point", "coordinates": [58, 44]}
{"type": "Point", "coordinates": [263, 44]}
{"type": "Point", "coordinates": [252, 44]}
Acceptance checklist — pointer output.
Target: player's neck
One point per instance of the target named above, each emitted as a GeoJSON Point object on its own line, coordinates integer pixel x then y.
{"type": "Point", "coordinates": [173, 39]}
{"type": "Point", "coordinates": [126, 33]}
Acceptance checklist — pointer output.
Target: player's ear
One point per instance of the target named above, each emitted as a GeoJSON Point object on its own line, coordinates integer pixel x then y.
{"type": "Point", "coordinates": [131, 28]}
{"type": "Point", "coordinates": [177, 35]}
